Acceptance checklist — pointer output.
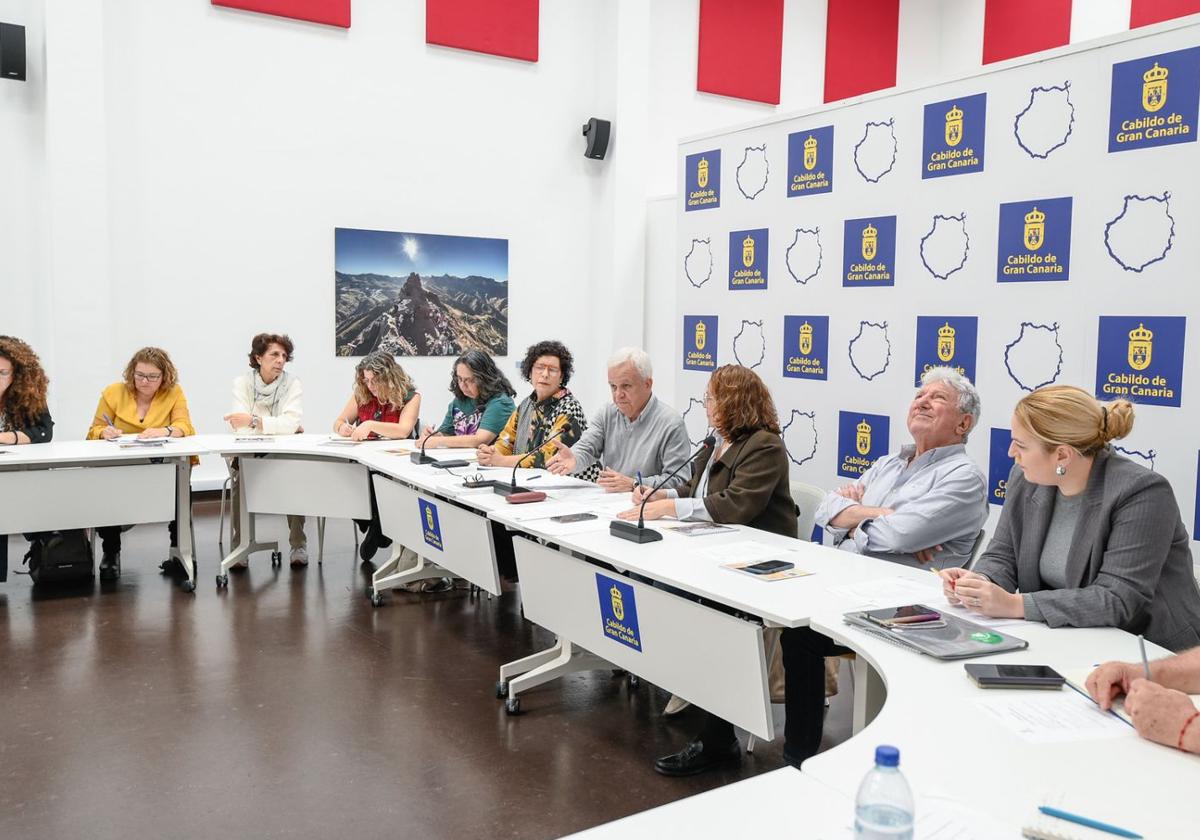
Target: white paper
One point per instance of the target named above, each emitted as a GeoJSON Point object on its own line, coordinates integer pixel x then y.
{"type": "Point", "coordinates": [743, 550]}
{"type": "Point", "coordinates": [1055, 717]}
{"type": "Point", "coordinates": [942, 818]}
{"type": "Point", "coordinates": [959, 611]}
{"type": "Point", "coordinates": [890, 592]}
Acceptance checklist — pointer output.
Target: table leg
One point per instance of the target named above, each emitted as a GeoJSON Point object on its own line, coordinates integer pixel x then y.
{"type": "Point", "coordinates": [248, 543]}
{"type": "Point", "coordinates": [390, 576]}
{"type": "Point", "coordinates": [185, 548]}
{"type": "Point", "coordinates": [540, 668]}
{"type": "Point", "coordinates": [869, 694]}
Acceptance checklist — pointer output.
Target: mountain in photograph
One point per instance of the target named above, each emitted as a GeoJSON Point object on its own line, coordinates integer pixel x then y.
{"type": "Point", "coordinates": [441, 315]}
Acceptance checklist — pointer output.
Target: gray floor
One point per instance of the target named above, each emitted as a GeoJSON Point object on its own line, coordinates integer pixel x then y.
{"type": "Point", "coordinates": [288, 707]}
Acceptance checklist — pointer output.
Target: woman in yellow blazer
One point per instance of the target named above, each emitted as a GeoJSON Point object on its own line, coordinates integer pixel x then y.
{"type": "Point", "coordinates": [149, 403]}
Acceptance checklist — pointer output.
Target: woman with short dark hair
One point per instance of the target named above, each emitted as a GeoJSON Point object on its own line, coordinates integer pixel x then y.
{"type": "Point", "coordinates": [551, 411]}
{"type": "Point", "coordinates": [481, 406]}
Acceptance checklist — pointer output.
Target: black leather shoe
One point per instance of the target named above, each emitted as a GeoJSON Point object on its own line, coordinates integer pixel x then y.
{"type": "Point", "coordinates": [369, 545]}
{"type": "Point", "coordinates": [110, 566]}
{"type": "Point", "coordinates": [697, 758]}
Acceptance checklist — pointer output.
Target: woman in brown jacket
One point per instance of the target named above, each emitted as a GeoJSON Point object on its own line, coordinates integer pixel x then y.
{"type": "Point", "coordinates": [743, 481]}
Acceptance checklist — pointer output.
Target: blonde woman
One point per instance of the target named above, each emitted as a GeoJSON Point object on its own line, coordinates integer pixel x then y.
{"type": "Point", "coordinates": [147, 402]}
{"type": "Point", "coordinates": [385, 404]}
{"type": "Point", "coordinates": [1087, 538]}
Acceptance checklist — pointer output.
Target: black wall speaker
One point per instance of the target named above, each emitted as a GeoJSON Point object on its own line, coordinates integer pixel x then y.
{"type": "Point", "coordinates": [12, 51]}
{"type": "Point", "coordinates": [596, 131]}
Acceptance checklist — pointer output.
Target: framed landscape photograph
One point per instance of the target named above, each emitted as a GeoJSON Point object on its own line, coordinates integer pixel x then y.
{"type": "Point", "coordinates": [419, 294]}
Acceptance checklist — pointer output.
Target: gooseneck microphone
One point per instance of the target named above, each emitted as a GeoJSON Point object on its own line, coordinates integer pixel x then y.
{"type": "Point", "coordinates": [639, 533]}
{"type": "Point", "coordinates": [501, 489]}
{"type": "Point", "coordinates": [421, 457]}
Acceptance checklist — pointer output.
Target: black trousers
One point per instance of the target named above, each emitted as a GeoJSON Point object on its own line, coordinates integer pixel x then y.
{"type": "Point", "coordinates": [110, 537]}
{"type": "Point", "coordinates": [804, 652]}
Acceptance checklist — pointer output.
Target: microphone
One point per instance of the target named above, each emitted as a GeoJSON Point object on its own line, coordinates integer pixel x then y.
{"type": "Point", "coordinates": [501, 489]}
{"type": "Point", "coordinates": [421, 457]}
{"type": "Point", "coordinates": [639, 533]}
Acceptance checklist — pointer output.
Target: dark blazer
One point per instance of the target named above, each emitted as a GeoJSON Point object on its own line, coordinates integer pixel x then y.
{"type": "Point", "coordinates": [1130, 559]}
{"type": "Point", "coordinates": [748, 485]}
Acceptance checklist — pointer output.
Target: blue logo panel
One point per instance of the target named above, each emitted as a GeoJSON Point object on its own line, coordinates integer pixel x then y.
{"type": "Point", "coordinates": [810, 162]}
{"type": "Point", "coordinates": [702, 180]}
{"type": "Point", "coordinates": [1196, 524]}
{"type": "Point", "coordinates": [618, 611]}
{"type": "Point", "coordinates": [700, 342]}
{"type": "Point", "coordinates": [869, 252]}
{"type": "Point", "coordinates": [431, 527]}
{"type": "Point", "coordinates": [806, 346]}
{"type": "Point", "coordinates": [862, 440]}
{"type": "Point", "coordinates": [999, 465]}
{"type": "Point", "coordinates": [1140, 359]}
{"type": "Point", "coordinates": [1035, 241]}
{"type": "Point", "coordinates": [748, 259]}
{"type": "Point", "coordinates": [944, 341]}
{"type": "Point", "coordinates": [954, 136]}
{"type": "Point", "coordinates": [1154, 101]}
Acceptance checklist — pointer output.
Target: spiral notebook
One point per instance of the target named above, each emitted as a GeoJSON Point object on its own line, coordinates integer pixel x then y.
{"type": "Point", "coordinates": [1046, 827]}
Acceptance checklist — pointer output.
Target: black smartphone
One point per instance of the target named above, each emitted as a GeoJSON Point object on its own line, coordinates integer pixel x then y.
{"type": "Point", "coordinates": [1014, 676]}
{"type": "Point", "coordinates": [769, 567]}
{"type": "Point", "coordinates": [573, 517]}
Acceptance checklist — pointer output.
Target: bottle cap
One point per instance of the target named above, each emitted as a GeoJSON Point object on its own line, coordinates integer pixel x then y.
{"type": "Point", "coordinates": [887, 756]}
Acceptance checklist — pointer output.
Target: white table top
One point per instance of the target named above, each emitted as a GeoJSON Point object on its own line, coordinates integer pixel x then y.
{"type": "Point", "coordinates": [98, 451]}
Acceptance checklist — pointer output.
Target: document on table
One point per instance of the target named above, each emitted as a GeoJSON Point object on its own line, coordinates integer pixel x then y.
{"type": "Point", "coordinates": [890, 592]}
{"type": "Point", "coordinates": [1054, 717]}
{"type": "Point", "coordinates": [695, 529]}
{"type": "Point", "coordinates": [971, 615]}
{"type": "Point", "coordinates": [1077, 679]}
{"type": "Point", "coordinates": [745, 551]}
{"type": "Point", "coordinates": [940, 818]}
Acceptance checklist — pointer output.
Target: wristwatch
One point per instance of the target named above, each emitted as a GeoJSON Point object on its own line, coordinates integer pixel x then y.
{"type": "Point", "coordinates": [253, 421]}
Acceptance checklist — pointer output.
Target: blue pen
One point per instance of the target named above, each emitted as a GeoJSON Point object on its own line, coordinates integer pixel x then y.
{"type": "Point", "coordinates": [638, 483]}
{"type": "Point", "coordinates": [1096, 824]}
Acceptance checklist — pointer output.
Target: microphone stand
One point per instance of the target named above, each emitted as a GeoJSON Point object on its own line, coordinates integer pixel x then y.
{"type": "Point", "coordinates": [421, 457]}
{"type": "Point", "coordinates": [639, 533]}
{"type": "Point", "coordinates": [501, 489]}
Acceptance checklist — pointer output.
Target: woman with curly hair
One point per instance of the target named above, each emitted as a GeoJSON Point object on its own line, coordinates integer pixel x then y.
{"type": "Point", "coordinates": [147, 402]}
{"type": "Point", "coordinates": [384, 404]}
{"type": "Point", "coordinates": [743, 481]}
{"type": "Point", "coordinates": [24, 415]}
{"type": "Point", "coordinates": [551, 411]}
{"type": "Point", "coordinates": [481, 406]}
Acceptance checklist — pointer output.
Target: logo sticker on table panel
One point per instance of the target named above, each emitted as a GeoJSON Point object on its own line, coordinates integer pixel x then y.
{"type": "Point", "coordinates": [431, 528]}
{"type": "Point", "coordinates": [618, 611]}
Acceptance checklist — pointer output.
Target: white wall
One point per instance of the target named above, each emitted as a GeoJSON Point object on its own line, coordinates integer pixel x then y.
{"type": "Point", "coordinates": [202, 157]}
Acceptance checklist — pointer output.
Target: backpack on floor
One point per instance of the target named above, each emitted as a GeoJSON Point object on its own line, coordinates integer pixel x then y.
{"type": "Point", "coordinates": [60, 557]}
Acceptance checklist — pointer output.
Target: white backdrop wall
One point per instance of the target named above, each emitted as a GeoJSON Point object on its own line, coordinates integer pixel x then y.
{"type": "Point", "coordinates": [199, 160]}
{"type": "Point", "coordinates": [1028, 332]}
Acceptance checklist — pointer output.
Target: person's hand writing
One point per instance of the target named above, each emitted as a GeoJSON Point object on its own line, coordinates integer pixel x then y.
{"type": "Point", "coordinates": [614, 482]}
{"type": "Point", "coordinates": [363, 430]}
{"type": "Point", "coordinates": [238, 420]}
{"type": "Point", "coordinates": [980, 594]}
{"type": "Point", "coordinates": [345, 429]}
{"type": "Point", "coordinates": [1110, 681]}
{"type": "Point", "coordinates": [1158, 713]}
{"type": "Point", "coordinates": [110, 433]}
{"type": "Point", "coordinates": [561, 462]}
{"type": "Point", "coordinates": [654, 510]}
{"type": "Point", "coordinates": [426, 435]}
{"type": "Point", "coordinates": [642, 492]}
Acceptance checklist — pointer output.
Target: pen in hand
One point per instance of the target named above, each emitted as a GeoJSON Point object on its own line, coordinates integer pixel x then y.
{"type": "Point", "coordinates": [1145, 661]}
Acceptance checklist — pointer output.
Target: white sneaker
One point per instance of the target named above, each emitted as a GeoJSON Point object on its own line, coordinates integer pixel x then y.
{"type": "Point", "coordinates": [299, 556]}
{"type": "Point", "coordinates": [675, 705]}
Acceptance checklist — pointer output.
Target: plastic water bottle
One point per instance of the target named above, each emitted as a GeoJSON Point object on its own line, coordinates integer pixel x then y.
{"type": "Point", "coordinates": [883, 809]}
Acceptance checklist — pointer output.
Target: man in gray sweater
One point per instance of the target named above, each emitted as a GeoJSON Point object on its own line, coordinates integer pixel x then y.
{"type": "Point", "coordinates": [637, 437]}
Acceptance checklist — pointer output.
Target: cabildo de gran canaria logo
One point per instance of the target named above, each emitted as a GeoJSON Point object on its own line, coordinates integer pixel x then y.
{"type": "Point", "coordinates": [430, 527]}
{"type": "Point", "coordinates": [810, 162]}
{"type": "Point", "coordinates": [1154, 100]}
{"type": "Point", "coordinates": [748, 253]}
{"type": "Point", "coordinates": [1000, 464]}
{"type": "Point", "coordinates": [954, 134]}
{"type": "Point", "coordinates": [618, 611]}
{"type": "Point", "coordinates": [1141, 359]}
{"type": "Point", "coordinates": [869, 252]}
{"type": "Point", "coordinates": [946, 342]}
{"type": "Point", "coordinates": [702, 180]}
{"type": "Point", "coordinates": [862, 439]}
{"type": "Point", "coordinates": [700, 342]}
{"type": "Point", "coordinates": [1035, 240]}
{"type": "Point", "coordinates": [805, 346]}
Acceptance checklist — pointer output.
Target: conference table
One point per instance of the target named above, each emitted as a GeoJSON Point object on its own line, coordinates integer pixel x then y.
{"type": "Point", "coordinates": [91, 483]}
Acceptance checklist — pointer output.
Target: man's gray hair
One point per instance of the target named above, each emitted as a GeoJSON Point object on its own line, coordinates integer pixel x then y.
{"type": "Point", "coordinates": [635, 356]}
{"type": "Point", "coordinates": [968, 397]}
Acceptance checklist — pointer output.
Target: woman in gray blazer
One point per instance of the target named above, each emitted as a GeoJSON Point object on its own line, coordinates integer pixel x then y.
{"type": "Point", "coordinates": [1087, 538]}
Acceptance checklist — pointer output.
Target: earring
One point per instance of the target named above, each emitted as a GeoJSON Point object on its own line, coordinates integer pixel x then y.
{"type": "Point", "coordinates": [1060, 470]}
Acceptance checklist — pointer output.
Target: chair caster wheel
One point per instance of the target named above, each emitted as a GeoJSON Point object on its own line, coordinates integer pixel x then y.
{"type": "Point", "coordinates": [377, 599]}
{"type": "Point", "coordinates": [501, 689]}
{"type": "Point", "coordinates": [188, 586]}
{"type": "Point", "coordinates": [276, 559]}
{"type": "Point", "coordinates": [513, 706]}
{"type": "Point", "coordinates": [222, 581]}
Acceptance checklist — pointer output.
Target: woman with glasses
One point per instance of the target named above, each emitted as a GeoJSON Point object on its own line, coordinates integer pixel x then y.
{"type": "Point", "coordinates": [551, 411]}
{"type": "Point", "coordinates": [481, 406]}
{"type": "Point", "coordinates": [148, 403]}
{"type": "Point", "coordinates": [385, 404]}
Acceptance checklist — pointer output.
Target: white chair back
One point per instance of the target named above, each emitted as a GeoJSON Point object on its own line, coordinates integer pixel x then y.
{"type": "Point", "coordinates": [808, 498]}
